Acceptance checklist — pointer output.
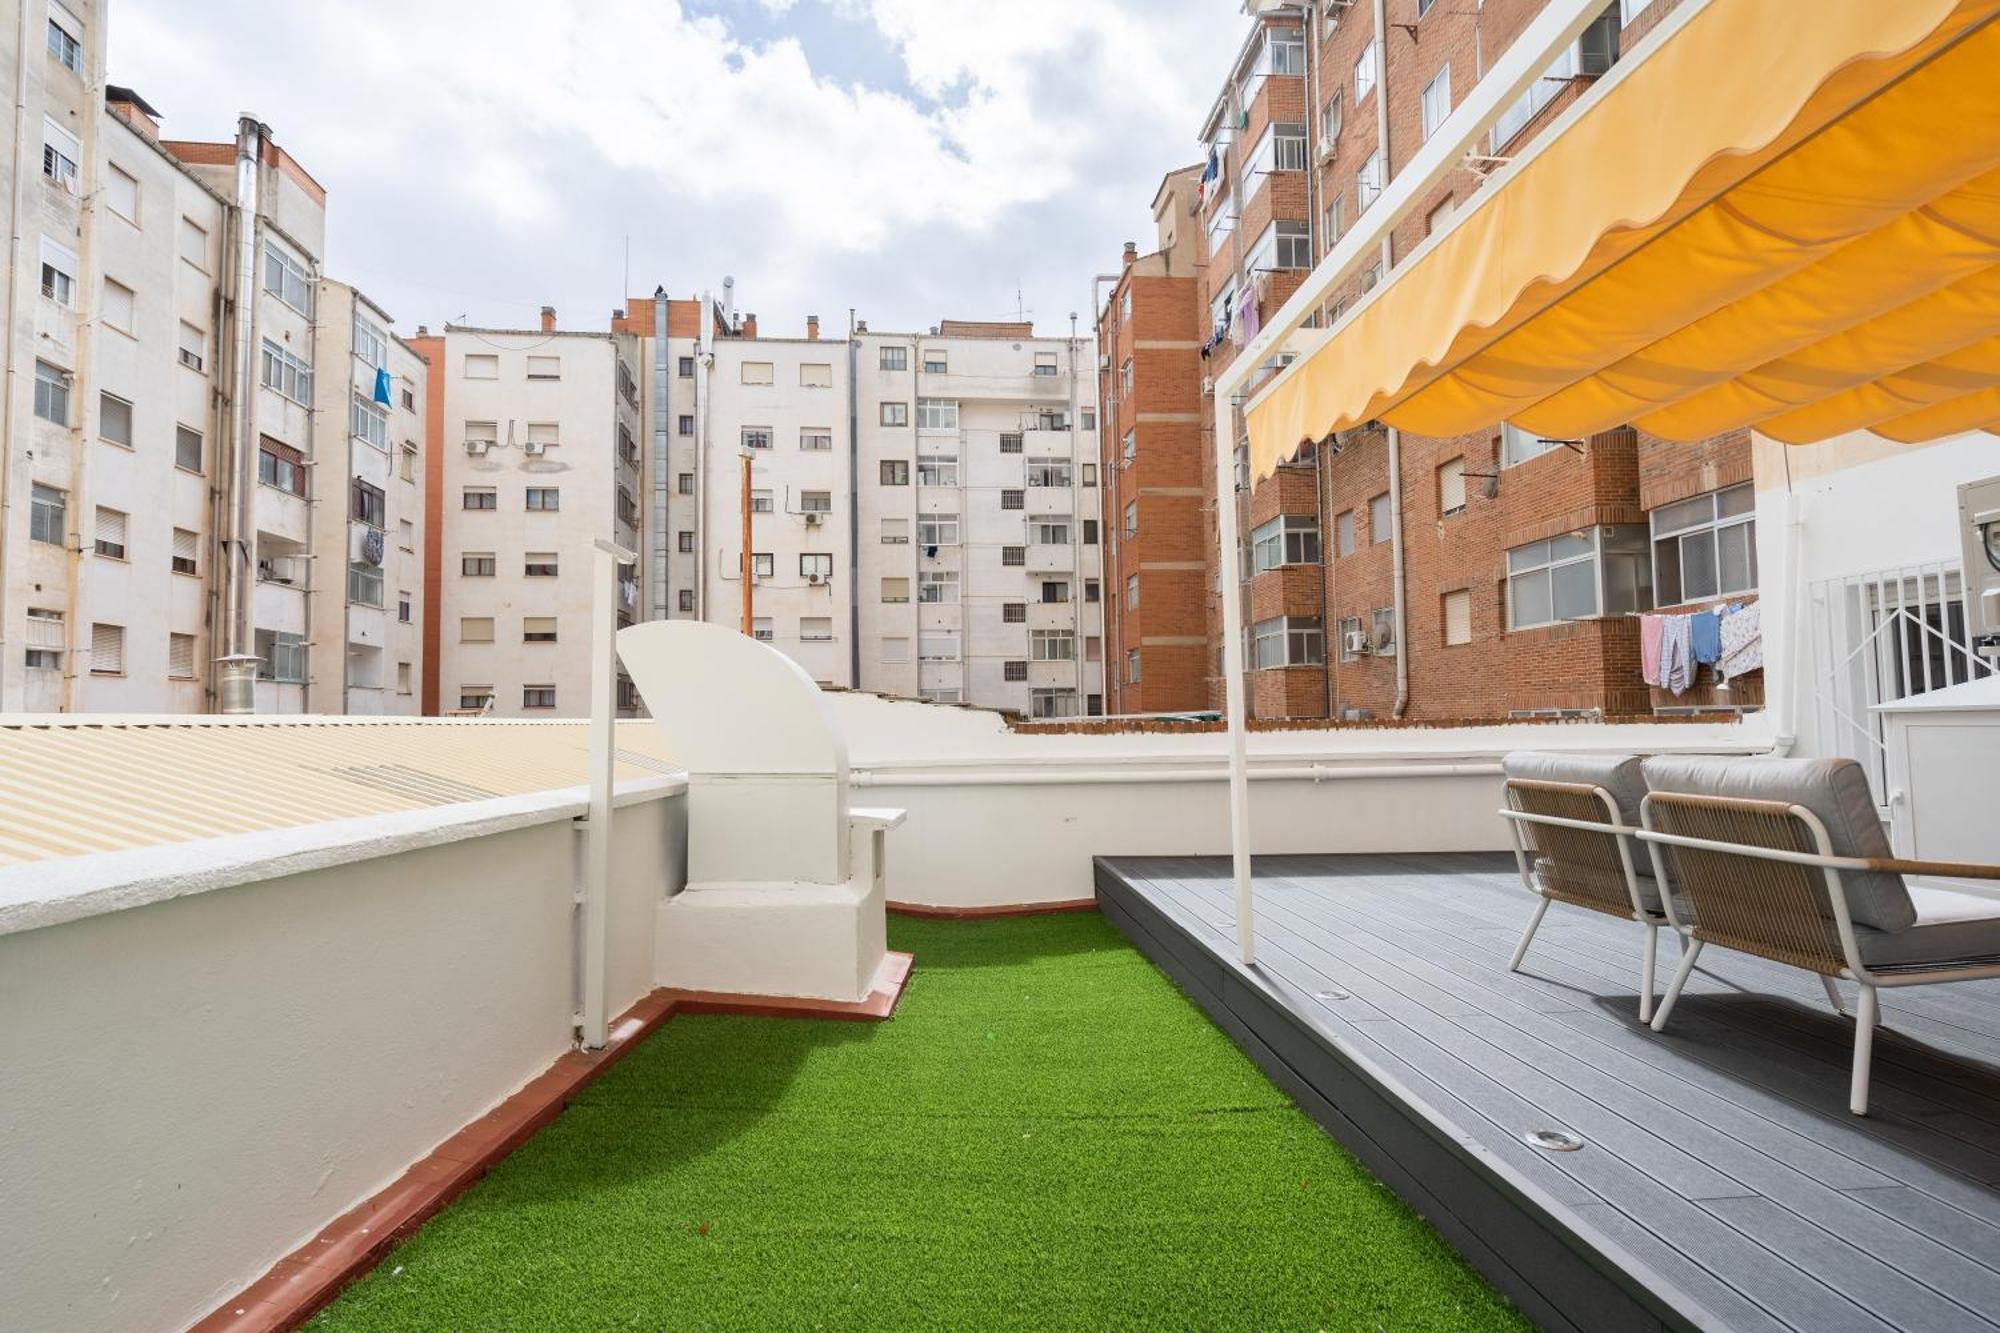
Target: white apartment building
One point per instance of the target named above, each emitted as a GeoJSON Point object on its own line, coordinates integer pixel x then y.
{"type": "Point", "coordinates": [783, 403]}
{"type": "Point", "coordinates": [368, 620]}
{"type": "Point", "coordinates": [540, 458]}
{"type": "Point", "coordinates": [979, 565]}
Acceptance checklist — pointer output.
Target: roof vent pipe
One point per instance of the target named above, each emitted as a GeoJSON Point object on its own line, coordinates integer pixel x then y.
{"type": "Point", "coordinates": [729, 304]}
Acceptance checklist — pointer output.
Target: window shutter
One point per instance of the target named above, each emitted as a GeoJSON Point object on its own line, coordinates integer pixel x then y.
{"type": "Point", "coordinates": [110, 531]}
{"type": "Point", "coordinates": [1451, 486]}
{"type": "Point", "coordinates": [107, 649]}
{"type": "Point", "coordinates": [1458, 617]}
{"type": "Point", "coordinates": [180, 656]}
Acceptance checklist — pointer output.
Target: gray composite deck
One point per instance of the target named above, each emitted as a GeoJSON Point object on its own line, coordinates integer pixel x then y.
{"type": "Point", "coordinates": [1722, 1182]}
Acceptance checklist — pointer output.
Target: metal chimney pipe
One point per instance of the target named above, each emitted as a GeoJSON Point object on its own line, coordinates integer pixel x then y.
{"type": "Point", "coordinates": [729, 304]}
{"type": "Point", "coordinates": [238, 661]}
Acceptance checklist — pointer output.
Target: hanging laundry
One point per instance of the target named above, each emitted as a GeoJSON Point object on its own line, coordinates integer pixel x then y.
{"type": "Point", "coordinates": [1677, 654]}
{"type": "Point", "coordinates": [1742, 642]}
{"type": "Point", "coordinates": [384, 393]}
{"type": "Point", "coordinates": [1650, 628]}
{"type": "Point", "coordinates": [1705, 630]}
{"type": "Point", "coordinates": [1247, 315]}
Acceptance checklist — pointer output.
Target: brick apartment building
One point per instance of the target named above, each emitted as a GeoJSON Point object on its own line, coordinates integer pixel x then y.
{"type": "Point", "coordinates": [1520, 556]}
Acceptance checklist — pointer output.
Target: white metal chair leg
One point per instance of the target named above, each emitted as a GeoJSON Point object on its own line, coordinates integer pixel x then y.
{"type": "Point", "coordinates": [1646, 973]}
{"type": "Point", "coordinates": [1832, 993]}
{"type": "Point", "coordinates": [1534, 924]}
{"type": "Point", "coordinates": [1691, 952]}
{"type": "Point", "coordinates": [1865, 1016]}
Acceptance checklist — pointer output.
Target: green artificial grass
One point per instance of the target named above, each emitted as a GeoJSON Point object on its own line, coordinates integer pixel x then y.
{"type": "Point", "coordinates": [1046, 1135]}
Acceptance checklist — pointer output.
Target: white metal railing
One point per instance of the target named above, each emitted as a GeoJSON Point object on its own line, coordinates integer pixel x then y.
{"type": "Point", "coordinates": [1882, 636]}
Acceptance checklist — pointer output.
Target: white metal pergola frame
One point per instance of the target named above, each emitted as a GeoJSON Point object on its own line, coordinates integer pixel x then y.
{"type": "Point", "coordinates": [1552, 31]}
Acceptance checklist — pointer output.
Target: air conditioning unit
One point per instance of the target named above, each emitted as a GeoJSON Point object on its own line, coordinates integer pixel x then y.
{"type": "Point", "coordinates": [477, 447]}
{"type": "Point", "coordinates": [1356, 642]}
{"type": "Point", "coordinates": [814, 580]}
{"type": "Point", "coordinates": [1104, 363]}
{"type": "Point", "coordinates": [535, 448]}
{"type": "Point", "coordinates": [1207, 385]}
{"type": "Point", "coordinates": [814, 519]}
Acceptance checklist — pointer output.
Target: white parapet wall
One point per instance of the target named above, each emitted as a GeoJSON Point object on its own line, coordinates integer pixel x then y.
{"type": "Point", "coordinates": [998, 817]}
{"type": "Point", "coordinates": [215, 1048]}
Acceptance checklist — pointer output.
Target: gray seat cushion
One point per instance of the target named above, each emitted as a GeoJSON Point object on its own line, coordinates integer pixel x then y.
{"type": "Point", "coordinates": [1618, 774]}
{"type": "Point", "coordinates": [1951, 925]}
{"type": "Point", "coordinates": [1835, 790]}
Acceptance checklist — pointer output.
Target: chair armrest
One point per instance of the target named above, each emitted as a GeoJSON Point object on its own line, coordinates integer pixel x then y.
{"type": "Point", "coordinates": [1941, 869]}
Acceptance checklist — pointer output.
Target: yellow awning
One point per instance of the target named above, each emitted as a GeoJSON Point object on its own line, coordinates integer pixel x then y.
{"type": "Point", "coordinates": [1787, 216]}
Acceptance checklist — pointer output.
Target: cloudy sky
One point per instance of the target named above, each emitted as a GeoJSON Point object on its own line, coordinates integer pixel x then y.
{"type": "Point", "coordinates": [916, 159]}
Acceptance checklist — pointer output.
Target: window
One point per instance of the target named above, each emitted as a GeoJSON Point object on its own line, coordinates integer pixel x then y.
{"type": "Point", "coordinates": [1451, 486]}
{"type": "Point", "coordinates": [538, 696]}
{"type": "Point", "coordinates": [475, 629]}
{"type": "Point", "coordinates": [937, 587]}
{"type": "Point", "coordinates": [371, 344]}
{"type": "Point", "coordinates": [1045, 365]}
{"type": "Point", "coordinates": [58, 274]}
{"type": "Point", "coordinates": [286, 278]}
{"type": "Point", "coordinates": [364, 583]}
{"type": "Point", "coordinates": [544, 499]}
{"type": "Point", "coordinates": [60, 154]}
{"type": "Point", "coordinates": [1010, 442]}
{"type": "Point", "coordinates": [193, 347]}
{"type": "Point", "coordinates": [1287, 641]}
{"type": "Point", "coordinates": [114, 420]}
{"type": "Point", "coordinates": [1013, 556]}
{"type": "Point", "coordinates": [1384, 638]}
{"type": "Point", "coordinates": [403, 674]}
{"type": "Point", "coordinates": [281, 466]}
{"type": "Point", "coordinates": [937, 414]}
{"type": "Point", "coordinates": [895, 472]}
{"type": "Point", "coordinates": [1049, 472]}
{"type": "Point", "coordinates": [1090, 590]}
{"type": "Point", "coordinates": [1380, 525]}
{"type": "Point", "coordinates": [477, 564]}
{"type": "Point", "coordinates": [937, 529]}
{"type": "Point", "coordinates": [760, 629]}
{"type": "Point", "coordinates": [1437, 101]}
{"type": "Point", "coordinates": [1335, 224]}
{"type": "Point", "coordinates": [406, 534]}
{"type": "Point", "coordinates": [816, 439]}
{"type": "Point", "coordinates": [540, 565]}
{"type": "Point", "coordinates": [895, 358]}
{"type": "Point", "coordinates": [64, 46]}
{"type": "Point", "coordinates": [1592, 53]}
{"type": "Point", "coordinates": [1132, 666]}
{"type": "Point", "coordinates": [1055, 592]}
{"type": "Point", "coordinates": [187, 449]}
{"type": "Point", "coordinates": [1455, 610]}
{"type": "Point", "coordinates": [368, 504]}
{"type": "Point", "coordinates": [1048, 532]}
{"type": "Point", "coordinates": [475, 698]}
{"type": "Point", "coordinates": [816, 502]}
{"type": "Point", "coordinates": [1350, 638]}
{"type": "Point", "coordinates": [1011, 499]}
{"type": "Point", "coordinates": [180, 656]}
{"type": "Point", "coordinates": [1364, 72]}
{"type": "Point", "coordinates": [538, 629]}
{"type": "Point", "coordinates": [544, 367]}
{"type": "Point", "coordinates": [816, 375]}
{"type": "Point", "coordinates": [756, 437]}
{"type": "Point", "coordinates": [1132, 518]}
{"type": "Point", "coordinates": [895, 590]}
{"type": "Point", "coordinates": [1368, 186]}
{"type": "Point", "coordinates": [1289, 539]}
{"type": "Point", "coordinates": [684, 541]}
{"type": "Point", "coordinates": [1599, 571]}
{"type": "Point", "coordinates": [1014, 671]}
{"type": "Point", "coordinates": [939, 471]}
{"type": "Point", "coordinates": [185, 549]}
{"type": "Point", "coordinates": [895, 532]}
{"type": "Point", "coordinates": [1343, 530]}
{"type": "Point", "coordinates": [1090, 532]}
{"type": "Point", "coordinates": [685, 368]}
{"type": "Point", "coordinates": [935, 361]}
{"type": "Point", "coordinates": [1518, 446]}
{"type": "Point", "coordinates": [896, 649]}
{"type": "Point", "coordinates": [110, 533]}
{"type": "Point", "coordinates": [281, 656]}
{"type": "Point", "coordinates": [1330, 118]}
{"type": "Point", "coordinates": [107, 649]}
{"type": "Point", "coordinates": [939, 646]}
{"type": "Point", "coordinates": [287, 374]}
{"type": "Point", "coordinates": [815, 566]}
{"type": "Point", "coordinates": [1705, 546]}
{"type": "Point", "coordinates": [1282, 147]}
{"type": "Point", "coordinates": [684, 484]}
{"type": "Point", "coordinates": [370, 424]}
{"type": "Point", "coordinates": [686, 424]}
{"type": "Point", "coordinates": [1051, 645]}
{"type": "Point", "coordinates": [194, 243]}
{"type": "Point", "coordinates": [1131, 592]}
{"type": "Point", "coordinates": [1013, 613]}
{"type": "Point", "coordinates": [117, 310]}
{"type": "Point", "coordinates": [1089, 474]}
{"type": "Point", "coordinates": [482, 366]}
{"type": "Point", "coordinates": [758, 372]}
{"type": "Point", "coordinates": [1051, 703]}
{"type": "Point", "coordinates": [51, 393]}
{"type": "Point", "coordinates": [480, 497]}
{"type": "Point", "coordinates": [687, 599]}
{"type": "Point", "coordinates": [815, 629]}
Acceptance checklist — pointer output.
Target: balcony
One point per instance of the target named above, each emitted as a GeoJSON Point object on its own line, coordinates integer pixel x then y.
{"type": "Point", "coordinates": [1051, 558]}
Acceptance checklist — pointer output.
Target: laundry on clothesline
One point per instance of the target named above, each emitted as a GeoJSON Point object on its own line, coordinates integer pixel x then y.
{"type": "Point", "coordinates": [1742, 633]}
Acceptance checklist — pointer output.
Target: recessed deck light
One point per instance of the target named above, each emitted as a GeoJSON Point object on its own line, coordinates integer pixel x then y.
{"type": "Point", "coordinates": [1331, 994]}
{"type": "Point", "coordinates": [1552, 1140]}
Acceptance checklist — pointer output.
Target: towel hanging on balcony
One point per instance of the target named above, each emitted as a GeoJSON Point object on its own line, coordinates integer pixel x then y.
{"type": "Point", "coordinates": [1705, 628]}
{"type": "Point", "coordinates": [1742, 642]}
{"type": "Point", "coordinates": [1650, 628]}
{"type": "Point", "coordinates": [383, 394]}
{"type": "Point", "coordinates": [1677, 653]}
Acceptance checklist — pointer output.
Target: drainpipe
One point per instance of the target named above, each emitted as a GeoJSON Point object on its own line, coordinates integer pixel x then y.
{"type": "Point", "coordinates": [662, 466]}
{"type": "Point", "coordinates": [82, 409]}
{"type": "Point", "coordinates": [238, 660]}
{"type": "Point", "coordinates": [1796, 678]}
{"type": "Point", "coordinates": [704, 358]}
{"type": "Point", "coordinates": [1395, 436]}
{"type": "Point", "coordinates": [8, 657]}
{"type": "Point", "coordinates": [1314, 129]}
{"type": "Point", "coordinates": [854, 503]}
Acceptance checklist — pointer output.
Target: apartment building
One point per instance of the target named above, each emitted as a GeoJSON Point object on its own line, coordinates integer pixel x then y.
{"type": "Point", "coordinates": [538, 459]}
{"type": "Point", "coordinates": [1150, 329]}
{"type": "Point", "coordinates": [977, 537]}
{"type": "Point", "coordinates": [369, 621]}
{"type": "Point", "coordinates": [1396, 575]}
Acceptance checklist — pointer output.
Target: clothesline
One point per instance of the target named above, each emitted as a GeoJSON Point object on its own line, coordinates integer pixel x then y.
{"type": "Point", "coordinates": [1726, 637]}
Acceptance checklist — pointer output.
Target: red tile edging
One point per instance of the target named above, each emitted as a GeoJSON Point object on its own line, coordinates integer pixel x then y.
{"type": "Point", "coordinates": [306, 1280]}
